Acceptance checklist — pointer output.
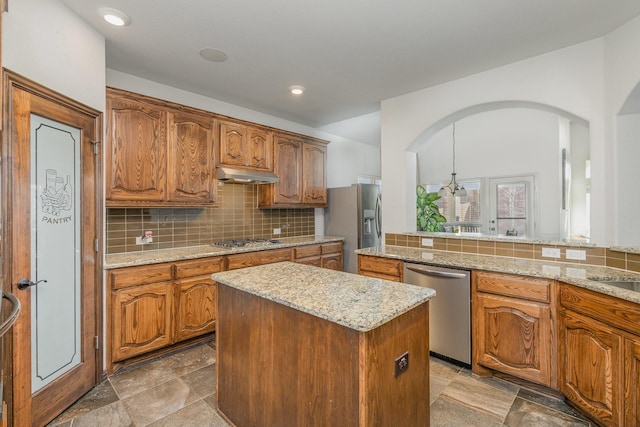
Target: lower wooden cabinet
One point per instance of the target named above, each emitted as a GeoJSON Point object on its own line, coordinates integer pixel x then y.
{"type": "Point", "coordinates": [599, 355]}
{"type": "Point", "coordinates": [141, 319]}
{"type": "Point", "coordinates": [513, 326]}
{"type": "Point", "coordinates": [381, 268]}
{"type": "Point", "coordinates": [592, 363]}
{"type": "Point", "coordinates": [154, 306]}
{"type": "Point", "coordinates": [195, 307]}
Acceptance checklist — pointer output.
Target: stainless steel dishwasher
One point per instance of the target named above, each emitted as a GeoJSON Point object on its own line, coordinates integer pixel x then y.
{"type": "Point", "coordinates": [449, 311]}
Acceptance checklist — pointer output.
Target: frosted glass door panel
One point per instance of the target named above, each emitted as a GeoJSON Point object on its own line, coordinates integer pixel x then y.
{"type": "Point", "coordinates": [55, 250]}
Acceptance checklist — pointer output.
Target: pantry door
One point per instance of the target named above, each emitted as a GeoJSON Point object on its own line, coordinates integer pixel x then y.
{"type": "Point", "coordinates": [50, 178]}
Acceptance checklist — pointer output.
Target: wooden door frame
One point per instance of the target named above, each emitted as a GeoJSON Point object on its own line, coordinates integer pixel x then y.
{"type": "Point", "coordinates": [22, 413]}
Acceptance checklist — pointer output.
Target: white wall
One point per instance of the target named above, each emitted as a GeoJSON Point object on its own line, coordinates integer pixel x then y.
{"type": "Point", "coordinates": [570, 79]}
{"type": "Point", "coordinates": [501, 143]}
{"type": "Point", "coordinates": [46, 42]}
{"type": "Point", "coordinates": [628, 178]}
{"type": "Point", "coordinates": [622, 74]}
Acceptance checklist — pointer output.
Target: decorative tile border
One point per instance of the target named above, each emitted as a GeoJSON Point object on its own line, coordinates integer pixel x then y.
{"type": "Point", "coordinates": [599, 256]}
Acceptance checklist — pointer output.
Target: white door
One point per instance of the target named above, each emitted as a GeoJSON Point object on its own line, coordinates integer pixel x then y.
{"type": "Point", "coordinates": [511, 206]}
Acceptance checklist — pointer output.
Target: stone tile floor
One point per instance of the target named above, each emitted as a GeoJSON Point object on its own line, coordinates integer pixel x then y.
{"type": "Point", "coordinates": [178, 390]}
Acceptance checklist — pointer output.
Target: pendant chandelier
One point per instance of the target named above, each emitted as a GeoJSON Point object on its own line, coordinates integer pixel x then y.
{"type": "Point", "coordinates": [452, 187]}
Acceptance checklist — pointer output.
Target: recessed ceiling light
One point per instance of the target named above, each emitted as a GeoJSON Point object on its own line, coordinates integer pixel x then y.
{"type": "Point", "coordinates": [114, 17]}
{"type": "Point", "coordinates": [296, 89]}
{"type": "Point", "coordinates": [213, 55]}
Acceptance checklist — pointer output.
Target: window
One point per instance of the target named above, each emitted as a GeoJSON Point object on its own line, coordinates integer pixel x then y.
{"type": "Point", "coordinates": [463, 214]}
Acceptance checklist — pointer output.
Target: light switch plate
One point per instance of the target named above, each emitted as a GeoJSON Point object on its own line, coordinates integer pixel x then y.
{"type": "Point", "coordinates": [277, 231]}
{"type": "Point", "coordinates": [551, 252]}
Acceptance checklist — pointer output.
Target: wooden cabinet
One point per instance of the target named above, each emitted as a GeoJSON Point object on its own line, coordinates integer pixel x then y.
{"type": "Point", "coordinates": [514, 326]}
{"type": "Point", "coordinates": [136, 150]}
{"type": "Point", "coordinates": [245, 146]}
{"type": "Point", "coordinates": [314, 170]}
{"type": "Point", "coordinates": [599, 355]}
{"type": "Point", "coordinates": [251, 259]}
{"type": "Point", "coordinates": [158, 153]}
{"type": "Point", "coordinates": [381, 268]}
{"type": "Point", "coordinates": [301, 166]}
{"type": "Point", "coordinates": [325, 255]}
{"type": "Point", "coordinates": [591, 360]}
{"type": "Point", "coordinates": [196, 297]}
{"type": "Point", "coordinates": [141, 319]}
{"type": "Point", "coordinates": [191, 161]}
{"type": "Point", "coordinates": [154, 306]}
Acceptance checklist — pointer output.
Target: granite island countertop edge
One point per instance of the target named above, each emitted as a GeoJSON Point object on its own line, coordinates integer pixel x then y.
{"type": "Point", "coordinates": [357, 302]}
{"type": "Point", "coordinates": [582, 275]}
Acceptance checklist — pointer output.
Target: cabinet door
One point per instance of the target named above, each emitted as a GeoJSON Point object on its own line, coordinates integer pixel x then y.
{"type": "Point", "coordinates": [631, 381]}
{"type": "Point", "coordinates": [259, 149]}
{"type": "Point", "coordinates": [233, 144]}
{"type": "Point", "coordinates": [141, 319]}
{"type": "Point", "coordinates": [136, 150]}
{"type": "Point", "coordinates": [513, 336]}
{"type": "Point", "coordinates": [332, 262]}
{"type": "Point", "coordinates": [195, 307]}
{"type": "Point", "coordinates": [191, 161]}
{"type": "Point", "coordinates": [288, 166]}
{"type": "Point", "coordinates": [590, 367]}
{"type": "Point", "coordinates": [314, 169]}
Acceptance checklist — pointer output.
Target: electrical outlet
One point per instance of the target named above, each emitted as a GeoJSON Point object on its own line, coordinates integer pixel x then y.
{"type": "Point", "coordinates": [551, 252]}
{"type": "Point", "coordinates": [576, 254]}
{"type": "Point", "coordinates": [402, 363]}
{"type": "Point", "coordinates": [144, 240]}
{"type": "Point", "coordinates": [427, 242]}
{"type": "Point", "coordinates": [277, 231]}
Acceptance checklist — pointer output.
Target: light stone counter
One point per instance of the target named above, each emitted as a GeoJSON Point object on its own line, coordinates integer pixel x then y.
{"type": "Point", "coordinates": [192, 252]}
{"type": "Point", "coordinates": [585, 276]}
{"type": "Point", "coordinates": [357, 302]}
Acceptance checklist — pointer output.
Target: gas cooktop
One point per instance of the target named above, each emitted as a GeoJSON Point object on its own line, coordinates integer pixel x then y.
{"type": "Point", "coordinates": [246, 243]}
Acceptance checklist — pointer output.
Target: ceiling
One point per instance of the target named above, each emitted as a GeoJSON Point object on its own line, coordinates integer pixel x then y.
{"type": "Point", "coordinates": [349, 54]}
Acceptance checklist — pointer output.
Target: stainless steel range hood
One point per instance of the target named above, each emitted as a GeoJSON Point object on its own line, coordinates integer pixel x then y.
{"type": "Point", "coordinates": [246, 176]}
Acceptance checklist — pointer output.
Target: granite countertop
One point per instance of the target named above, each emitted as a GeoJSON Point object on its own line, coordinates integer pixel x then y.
{"type": "Point", "coordinates": [357, 302]}
{"type": "Point", "coordinates": [585, 276]}
{"type": "Point", "coordinates": [192, 252]}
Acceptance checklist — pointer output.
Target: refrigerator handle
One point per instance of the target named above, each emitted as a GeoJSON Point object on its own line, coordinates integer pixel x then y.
{"type": "Point", "coordinates": [378, 217]}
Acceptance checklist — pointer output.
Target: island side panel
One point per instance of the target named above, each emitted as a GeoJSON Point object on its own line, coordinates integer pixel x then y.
{"type": "Point", "coordinates": [389, 400]}
{"type": "Point", "coordinates": [278, 366]}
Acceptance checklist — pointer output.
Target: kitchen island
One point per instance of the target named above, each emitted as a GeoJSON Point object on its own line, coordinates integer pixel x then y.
{"type": "Point", "coordinates": [301, 345]}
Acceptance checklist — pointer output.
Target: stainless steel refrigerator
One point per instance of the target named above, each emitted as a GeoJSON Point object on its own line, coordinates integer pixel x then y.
{"type": "Point", "coordinates": [355, 214]}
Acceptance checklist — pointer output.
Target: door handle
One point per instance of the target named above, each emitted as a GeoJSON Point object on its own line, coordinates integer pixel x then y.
{"type": "Point", "coordinates": [26, 283]}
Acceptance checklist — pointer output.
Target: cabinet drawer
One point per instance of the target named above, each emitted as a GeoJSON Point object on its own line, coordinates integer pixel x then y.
{"type": "Point", "coordinates": [251, 259]}
{"type": "Point", "coordinates": [383, 268]}
{"type": "Point", "coordinates": [306, 251]}
{"type": "Point", "coordinates": [198, 267]}
{"type": "Point", "coordinates": [132, 276]}
{"type": "Point", "coordinates": [331, 248]}
{"type": "Point", "coordinates": [611, 310]}
{"type": "Point", "coordinates": [514, 286]}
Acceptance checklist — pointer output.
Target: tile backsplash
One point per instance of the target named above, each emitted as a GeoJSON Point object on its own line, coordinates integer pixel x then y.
{"type": "Point", "coordinates": [236, 217]}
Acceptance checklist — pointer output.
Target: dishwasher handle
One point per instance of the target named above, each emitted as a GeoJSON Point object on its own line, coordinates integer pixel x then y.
{"type": "Point", "coordinates": [428, 272]}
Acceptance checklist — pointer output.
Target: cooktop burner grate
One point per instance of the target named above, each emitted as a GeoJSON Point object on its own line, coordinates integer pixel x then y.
{"type": "Point", "coordinates": [246, 243]}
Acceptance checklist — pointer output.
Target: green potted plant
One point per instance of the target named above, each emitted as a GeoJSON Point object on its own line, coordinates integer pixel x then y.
{"type": "Point", "coordinates": [428, 215]}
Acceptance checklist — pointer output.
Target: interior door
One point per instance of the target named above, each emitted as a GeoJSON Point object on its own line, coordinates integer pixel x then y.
{"type": "Point", "coordinates": [52, 223]}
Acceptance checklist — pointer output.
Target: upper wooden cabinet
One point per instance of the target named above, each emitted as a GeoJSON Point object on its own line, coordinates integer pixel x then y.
{"type": "Point", "coordinates": [191, 161]}
{"type": "Point", "coordinates": [245, 146]}
{"type": "Point", "coordinates": [301, 166]}
{"type": "Point", "coordinates": [136, 150]}
{"type": "Point", "coordinates": [158, 153]}
{"type": "Point", "coordinates": [314, 174]}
